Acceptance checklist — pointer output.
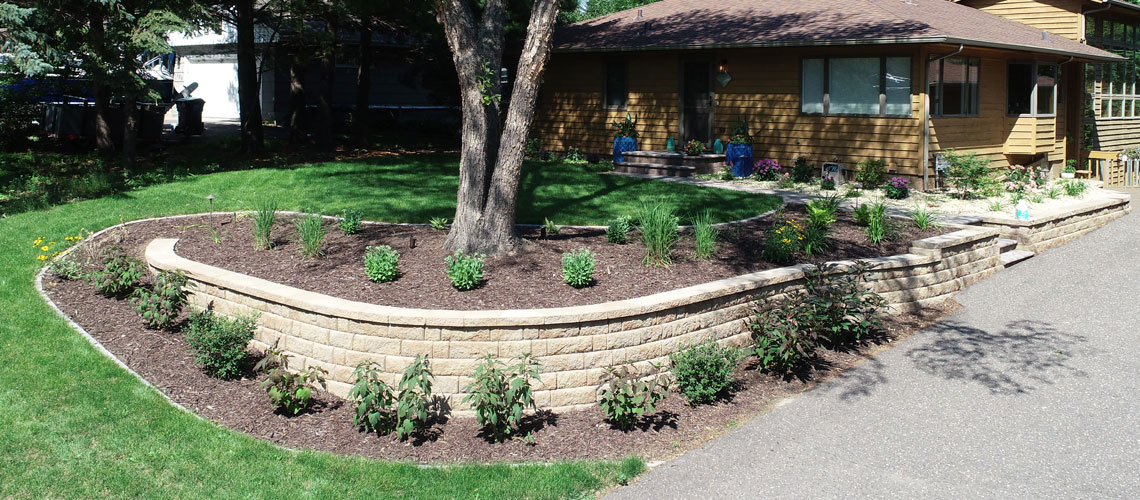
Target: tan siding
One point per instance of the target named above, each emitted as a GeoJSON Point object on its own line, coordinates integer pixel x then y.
{"type": "Point", "coordinates": [1116, 135]}
{"type": "Point", "coordinates": [1060, 17]}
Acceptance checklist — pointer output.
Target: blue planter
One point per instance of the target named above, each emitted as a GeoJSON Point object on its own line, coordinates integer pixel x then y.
{"type": "Point", "coordinates": [623, 145]}
{"type": "Point", "coordinates": [739, 157]}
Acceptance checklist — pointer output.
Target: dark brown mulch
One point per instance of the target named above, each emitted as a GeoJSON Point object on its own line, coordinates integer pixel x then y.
{"type": "Point", "coordinates": [529, 278]}
{"type": "Point", "coordinates": [164, 359]}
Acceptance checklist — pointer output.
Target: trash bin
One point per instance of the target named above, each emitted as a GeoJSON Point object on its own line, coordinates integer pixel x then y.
{"type": "Point", "coordinates": [189, 116]}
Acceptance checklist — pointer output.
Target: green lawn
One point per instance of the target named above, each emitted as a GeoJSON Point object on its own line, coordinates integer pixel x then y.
{"type": "Point", "coordinates": [76, 426]}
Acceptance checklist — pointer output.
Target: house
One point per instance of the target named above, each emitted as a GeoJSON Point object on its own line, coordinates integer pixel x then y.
{"type": "Point", "coordinates": [845, 80]}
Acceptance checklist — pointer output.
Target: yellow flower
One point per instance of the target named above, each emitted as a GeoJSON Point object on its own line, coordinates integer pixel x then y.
{"type": "Point", "coordinates": [787, 240]}
{"type": "Point", "coordinates": [42, 257]}
{"type": "Point", "coordinates": [45, 248]}
{"type": "Point", "coordinates": [52, 243]}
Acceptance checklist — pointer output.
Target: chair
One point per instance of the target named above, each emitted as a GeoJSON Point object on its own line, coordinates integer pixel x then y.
{"type": "Point", "coordinates": [1098, 165]}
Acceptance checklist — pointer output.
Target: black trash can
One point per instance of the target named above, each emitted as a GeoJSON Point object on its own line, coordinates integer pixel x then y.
{"type": "Point", "coordinates": [189, 116]}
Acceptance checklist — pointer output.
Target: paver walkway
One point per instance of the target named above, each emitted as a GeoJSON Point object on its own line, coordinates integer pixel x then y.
{"type": "Point", "coordinates": [1032, 391]}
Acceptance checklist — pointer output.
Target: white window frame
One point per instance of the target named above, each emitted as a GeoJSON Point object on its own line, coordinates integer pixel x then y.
{"type": "Point", "coordinates": [882, 87]}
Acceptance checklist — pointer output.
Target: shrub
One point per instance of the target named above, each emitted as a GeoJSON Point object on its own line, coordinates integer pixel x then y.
{"type": "Point", "coordinates": [533, 148]}
{"type": "Point", "coordinates": [658, 233]}
{"type": "Point", "coordinates": [968, 173]}
{"type": "Point", "coordinates": [381, 264]}
{"type": "Point", "coordinates": [862, 214]}
{"type": "Point", "coordinates": [626, 398]}
{"type": "Point", "coordinates": [263, 218]}
{"type": "Point", "coordinates": [766, 170]}
{"type": "Point", "coordinates": [726, 173]}
{"type": "Point", "coordinates": [66, 268]}
{"type": "Point", "coordinates": [578, 268]}
{"type": "Point", "coordinates": [924, 218]}
{"type": "Point", "coordinates": [706, 234]}
{"type": "Point", "coordinates": [465, 271]}
{"type": "Point", "coordinates": [439, 223]}
{"type": "Point", "coordinates": [219, 343]}
{"type": "Point", "coordinates": [897, 188]}
{"type": "Point", "coordinates": [783, 240]}
{"type": "Point", "coordinates": [351, 222]}
{"type": "Point", "coordinates": [500, 394]}
{"type": "Point", "coordinates": [785, 181]}
{"type": "Point", "coordinates": [852, 192]}
{"type": "Point", "coordinates": [551, 227]}
{"type": "Point", "coordinates": [840, 304]}
{"type": "Point", "coordinates": [288, 391]}
{"type": "Point", "coordinates": [311, 233]}
{"type": "Point", "coordinates": [120, 274]}
{"type": "Point", "coordinates": [618, 230]}
{"type": "Point", "coordinates": [378, 409]}
{"type": "Point", "coordinates": [870, 173]}
{"type": "Point", "coordinates": [163, 302]}
{"type": "Point", "coordinates": [705, 371]}
{"type": "Point", "coordinates": [802, 170]}
{"type": "Point", "coordinates": [781, 334]}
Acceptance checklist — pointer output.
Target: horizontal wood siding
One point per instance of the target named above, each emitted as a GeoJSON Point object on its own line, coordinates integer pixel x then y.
{"type": "Point", "coordinates": [1117, 134]}
{"type": "Point", "coordinates": [1059, 17]}
{"type": "Point", "coordinates": [985, 134]}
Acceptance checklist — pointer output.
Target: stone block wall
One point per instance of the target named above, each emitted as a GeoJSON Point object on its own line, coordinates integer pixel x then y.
{"type": "Point", "coordinates": [575, 345]}
{"type": "Point", "coordinates": [1041, 233]}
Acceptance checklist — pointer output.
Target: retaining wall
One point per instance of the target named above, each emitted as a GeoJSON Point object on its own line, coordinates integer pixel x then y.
{"type": "Point", "coordinates": [575, 345]}
{"type": "Point", "coordinates": [1041, 233]}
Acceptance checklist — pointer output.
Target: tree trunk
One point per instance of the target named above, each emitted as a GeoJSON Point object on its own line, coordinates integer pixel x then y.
{"type": "Point", "coordinates": [103, 142]}
{"type": "Point", "coordinates": [361, 116]}
{"type": "Point", "coordinates": [298, 121]}
{"type": "Point", "coordinates": [491, 156]}
{"type": "Point", "coordinates": [130, 130]}
{"type": "Point", "coordinates": [325, 96]}
{"type": "Point", "coordinates": [249, 95]}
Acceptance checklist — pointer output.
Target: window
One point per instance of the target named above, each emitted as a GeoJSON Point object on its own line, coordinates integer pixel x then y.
{"type": "Point", "coordinates": [856, 86]}
{"type": "Point", "coordinates": [1115, 86]}
{"type": "Point", "coordinates": [1031, 88]}
{"type": "Point", "coordinates": [617, 90]}
{"type": "Point", "coordinates": [954, 86]}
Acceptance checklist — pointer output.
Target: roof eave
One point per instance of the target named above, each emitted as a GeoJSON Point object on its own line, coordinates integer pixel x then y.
{"type": "Point", "coordinates": [1077, 56]}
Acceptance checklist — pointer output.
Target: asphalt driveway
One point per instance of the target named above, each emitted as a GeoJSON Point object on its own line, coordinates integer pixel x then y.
{"type": "Point", "coordinates": [1031, 391]}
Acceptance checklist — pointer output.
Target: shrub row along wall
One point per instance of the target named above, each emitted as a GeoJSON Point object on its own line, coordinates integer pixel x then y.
{"type": "Point", "coordinates": [1042, 233]}
{"type": "Point", "coordinates": [575, 345]}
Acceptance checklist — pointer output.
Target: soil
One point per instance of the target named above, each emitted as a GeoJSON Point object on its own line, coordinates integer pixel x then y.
{"type": "Point", "coordinates": [165, 359]}
{"type": "Point", "coordinates": [529, 278]}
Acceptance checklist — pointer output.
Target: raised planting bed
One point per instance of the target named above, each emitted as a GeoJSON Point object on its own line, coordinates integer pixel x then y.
{"type": "Point", "coordinates": [1047, 229]}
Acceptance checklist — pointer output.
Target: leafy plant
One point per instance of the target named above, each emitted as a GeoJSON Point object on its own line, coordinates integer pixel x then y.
{"type": "Point", "coordinates": [1070, 167]}
{"type": "Point", "coordinates": [766, 170]}
{"type": "Point", "coordinates": [1075, 189]}
{"type": "Point", "coordinates": [120, 274]}
{"type": "Point", "coordinates": [627, 128]}
{"type": "Point", "coordinates": [693, 148]}
{"type": "Point", "coordinates": [465, 271]}
{"type": "Point", "coordinates": [740, 134]}
{"type": "Point", "coordinates": [706, 234]}
{"type": "Point", "coordinates": [439, 223]}
{"type": "Point", "coordinates": [786, 181]}
{"type": "Point", "coordinates": [311, 232]}
{"type": "Point", "coordinates": [163, 302]}
{"type": "Point", "coordinates": [1055, 192]}
{"type": "Point", "coordinates": [783, 240]}
{"type": "Point", "coordinates": [351, 222]}
{"type": "Point", "coordinates": [924, 218]}
{"type": "Point", "coordinates": [996, 206]}
{"type": "Point", "coordinates": [821, 215]}
{"type": "Point", "coordinates": [781, 333]}
{"type": "Point", "coordinates": [802, 170]}
{"type": "Point", "coordinates": [705, 371]}
{"type": "Point", "coordinates": [658, 233]}
{"type": "Point", "coordinates": [852, 192]}
{"type": "Point", "coordinates": [381, 264]}
{"type": "Point", "coordinates": [288, 391]}
{"type": "Point", "coordinates": [840, 303]}
{"type": "Point", "coordinates": [618, 230]}
{"type": "Point", "coordinates": [414, 399]}
{"type": "Point", "coordinates": [500, 393]}
{"type": "Point", "coordinates": [372, 399]}
{"type": "Point", "coordinates": [726, 173]}
{"type": "Point", "coordinates": [1024, 178]}
{"type": "Point", "coordinates": [968, 173]}
{"type": "Point", "coordinates": [879, 227]}
{"type": "Point", "coordinates": [551, 227]}
{"type": "Point", "coordinates": [578, 268]}
{"type": "Point", "coordinates": [862, 214]}
{"type": "Point", "coordinates": [1037, 198]}
{"type": "Point", "coordinates": [897, 188]}
{"type": "Point", "coordinates": [626, 398]}
{"type": "Point", "coordinates": [870, 173]}
{"type": "Point", "coordinates": [66, 268]}
{"type": "Point", "coordinates": [219, 343]}
{"type": "Point", "coordinates": [574, 154]}
{"type": "Point", "coordinates": [827, 184]}
{"type": "Point", "coordinates": [263, 219]}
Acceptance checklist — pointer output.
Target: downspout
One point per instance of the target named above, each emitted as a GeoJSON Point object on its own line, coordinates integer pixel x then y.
{"type": "Point", "coordinates": [926, 118]}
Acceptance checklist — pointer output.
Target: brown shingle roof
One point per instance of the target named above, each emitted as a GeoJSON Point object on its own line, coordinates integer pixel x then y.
{"type": "Point", "coordinates": [690, 24]}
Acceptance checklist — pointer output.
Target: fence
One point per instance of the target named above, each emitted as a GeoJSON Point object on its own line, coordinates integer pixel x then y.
{"type": "Point", "coordinates": [1114, 171]}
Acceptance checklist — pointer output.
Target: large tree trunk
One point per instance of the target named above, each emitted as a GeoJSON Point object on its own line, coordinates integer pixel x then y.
{"type": "Point", "coordinates": [325, 96]}
{"type": "Point", "coordinates": [363, 84]}
{"type": "Point", "coordinates": [491, 157]}
{"type": "Point", "coordinates": [298, 126]}
{"type": "Point", "coordinates": [249, 93]}
{"type": "Point", "coordinates": [103, 142]}
{"type": "Point", "coordinates": [130, 130]}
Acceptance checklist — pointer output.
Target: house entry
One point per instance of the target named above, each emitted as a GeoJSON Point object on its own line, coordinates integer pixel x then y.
{"type": "Point", "coordinates": [696, 101]}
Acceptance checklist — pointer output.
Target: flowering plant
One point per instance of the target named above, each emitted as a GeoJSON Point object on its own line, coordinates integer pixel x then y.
{"type": "Point", "coordinates": [827, 183]}
{"type": "Point", "coordinates": [694, 148]}
{"type": "Point", "coordinates": [766, 170]}
{"type": "Point", "coordinates": [740, 134]}
{"type": "Point", "coordinates": [783, 240]}
{"type": "Point", "coordinates": [897, 188]}
{"type": "Point", "coordinates": [627, 128]}
{"type": "Point", "coordinates": [1024, 179]}
{"type": "Point", "coordinates": [48, 249]}
{"type": "Point", "coordinates": [786, 181]}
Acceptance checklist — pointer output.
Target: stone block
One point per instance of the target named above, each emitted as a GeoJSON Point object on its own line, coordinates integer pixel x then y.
{"type": "Point", "coordinates": [415, 348]}
{"type": "Point", "coordinates": [472, 350]}
{"type": "Point", "coordinates": [568, 345]}
{"type": "Point", "coordinates": [375, 345]}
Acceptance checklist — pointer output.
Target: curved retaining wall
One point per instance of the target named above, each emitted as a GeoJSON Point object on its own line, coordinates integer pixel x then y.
{"type": "Point", "coordinates": [1044, 232]}
{"type": "Point", "coordinates": [575, 345]}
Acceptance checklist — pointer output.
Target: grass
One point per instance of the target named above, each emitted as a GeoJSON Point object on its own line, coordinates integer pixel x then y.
{"type": "Point", "coordinates": [77, 426]}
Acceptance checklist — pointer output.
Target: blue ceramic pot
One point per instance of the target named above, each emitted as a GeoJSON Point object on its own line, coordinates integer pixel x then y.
{"type": "Point", "coordinates": [739, 157]}
{"type": "Point", "coordinates": [623, 145]}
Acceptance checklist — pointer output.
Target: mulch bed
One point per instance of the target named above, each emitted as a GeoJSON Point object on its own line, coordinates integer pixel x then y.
{"type": "Point", "coordinates": [164, 358]}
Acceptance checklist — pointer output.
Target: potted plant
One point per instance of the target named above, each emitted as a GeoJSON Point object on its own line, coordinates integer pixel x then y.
{"type": "Point", "coordinates": [694, 148]}
{"type": "Point", "coordinates": [738, 154]}
{"type": "Point", "coordinates": [1070, 170]}
{"type": "Point", "coordinates": [625, 138]}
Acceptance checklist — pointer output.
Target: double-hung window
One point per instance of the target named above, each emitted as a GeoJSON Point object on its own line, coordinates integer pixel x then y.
{"type": "Point", "coordinates": [953, 87]}
{"type": "Point", "coordinates": [1032, 88]}
{"type": "Point", "coordinates": [617, 85]}
{"type": "Point", "coordinates": [868, 86]}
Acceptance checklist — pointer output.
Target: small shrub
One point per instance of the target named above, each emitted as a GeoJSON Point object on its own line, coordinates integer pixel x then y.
{"type": "Point", "coordinates": [533, 148]}
{"type": "Point", "coordinates": [574, 154]}
{"type": "Point", "coordinates": [706, 235]}
{"type": "Point", "coordinates": [658, 233]}
{"type": "Point", "coordinates": [840, 304]}
{"type": "Point", "coordinates": [897, 188]}
{"type": "Point", "coordinates": [781, 334]}
{"type": "Point", "coordinates": [219, 343]}
{"type": "Point", "coordinates": [705, 371]}
{"type": "Point", "coordinates": [372, 400]}
{"type": "Point", "coordinates": [66, 268]}
{"type": "Point", "coordinates": [871, 173]}
{"type": "Point", "coordinates": [924, 218]}
{"type": "Point", "coordinates": [827, 184]}
{"type": "Point", "coordinates": [351, 222]}
{"type": "Point", "coordinates": [726, 173]}
{"type": "Point", "coordinates": [852, 192]}
{"type": "Point", "coordinates": [288, 391]}
{"type": "Point", "coordinates": [500, 394]}
{"type": "Point", "coordinates": [626, 398]}
{"type": "Point", "coordinates": [465, 271]}
{"type": "Point", "coordinates": [163, 302]}
{"type": "Point", "coordinates": [120, 274]}
{"type": "Point", "coordinates": [551, 227]}
{"type": "Point", "coordinates": [862, 214]}
{"type": "Point", "coordinates": [786, 181]}
{"type": "Point", "coordinates": [311, 233]}
{"type": "Point", "coordinates": [439, 223]}
{"type": "Point", "coordinates": [618, 230]}
{"type": "Point", "coordinates": [766, 170]}
{"type": "Point", "coordinates": [263, 219]}
{"type": "Point", "coordinates": [382, 264]}
{"type": "Point", "coordinates": [968, 173]}
{"type": "Point", "coordinates": [802, 170]}
{"type": "Point", "coordinates": [578, 268]}
{"type": "Point", "coordinates": [783, 240]}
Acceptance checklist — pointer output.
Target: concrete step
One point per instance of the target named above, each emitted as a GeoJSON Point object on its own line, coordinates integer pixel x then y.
{"type": "Point", "coordinates": [1007, 245]}
{"type": "Point", "coordinates": [654, 169]}
{"type": "Point", "coordinates": [704, 164]}
{"type": "Point", "coordinates": [1015, 257]}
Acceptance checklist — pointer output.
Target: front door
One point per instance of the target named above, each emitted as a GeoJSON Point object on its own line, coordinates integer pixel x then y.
{"type": "Point", "coordinates": [696, 101]}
